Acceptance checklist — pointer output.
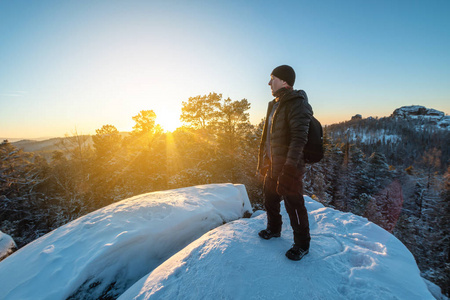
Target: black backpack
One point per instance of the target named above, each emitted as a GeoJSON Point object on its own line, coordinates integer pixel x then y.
{"type": "Point", "coordinates": [313, 151]}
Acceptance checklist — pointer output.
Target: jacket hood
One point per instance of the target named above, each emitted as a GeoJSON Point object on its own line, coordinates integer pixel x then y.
{"type": "Point", "coordinates": [298, 95]}
{"type": "Point", "coordinates": [295, 94]}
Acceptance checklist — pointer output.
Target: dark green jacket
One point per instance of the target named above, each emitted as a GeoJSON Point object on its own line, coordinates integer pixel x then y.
{"type": "Point", "coordinates": [288, 133]}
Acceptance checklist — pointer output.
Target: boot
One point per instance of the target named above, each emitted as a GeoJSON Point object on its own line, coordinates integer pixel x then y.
{"type": "Point", "coordinates": [267, 234]}
{"type": "Point", "coordinates": [296, 252]}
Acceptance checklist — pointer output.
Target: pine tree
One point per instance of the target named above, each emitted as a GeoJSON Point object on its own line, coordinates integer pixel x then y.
{"type": "Point", "coordinates": [378, 172]}
{"type": "Point", "coordinates": [17, 175]}
{"type": "Point", "coordinates": [107, 142]}
{"type": "Point", "coordinates": [106, 175]}
{"type": "Point", "coordinates": [358, 181]}
{"type": "Point", "coordinates": [232, 127]}
{"type": "Point", "coordinates": [200, 112]}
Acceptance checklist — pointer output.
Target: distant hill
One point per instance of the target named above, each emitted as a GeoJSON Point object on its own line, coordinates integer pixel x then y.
{"type": "Point", "coordinates": [46, 146]}
{"type": "Point", "coordinates": [404, 137]}
{"type": "Point", "coordinates": [36, 146]}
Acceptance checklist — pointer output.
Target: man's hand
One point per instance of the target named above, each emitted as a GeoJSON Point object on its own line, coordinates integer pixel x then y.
{"type": "Point", "coordinates": [261, 174]}
{"type": "Point", "coordinates": [288, 181]}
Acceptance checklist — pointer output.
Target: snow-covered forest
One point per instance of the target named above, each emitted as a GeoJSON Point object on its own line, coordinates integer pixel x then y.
{"type": "Point", "coordinates": [393, 171]}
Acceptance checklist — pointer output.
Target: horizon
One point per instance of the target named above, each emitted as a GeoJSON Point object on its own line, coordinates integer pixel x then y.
{"type": "Point", "coordinates": [74, 131]}
{"type": "Point", "coordinates": [80, 65]}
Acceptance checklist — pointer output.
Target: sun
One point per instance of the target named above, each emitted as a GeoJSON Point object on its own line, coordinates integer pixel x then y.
{"type": "Point", "coordinates": [169, 120]}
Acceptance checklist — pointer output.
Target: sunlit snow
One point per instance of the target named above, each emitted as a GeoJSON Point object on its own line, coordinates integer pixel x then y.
{"type": "Point", "coordinates": [350, 258]}
{"type": "Point", "coordinates": [108, 250]}
{"type": "Point", "coordinates": [139, 243]}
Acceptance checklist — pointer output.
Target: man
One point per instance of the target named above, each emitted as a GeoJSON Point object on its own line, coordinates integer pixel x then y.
{"type": "Point", "coordinates": [281, 161]}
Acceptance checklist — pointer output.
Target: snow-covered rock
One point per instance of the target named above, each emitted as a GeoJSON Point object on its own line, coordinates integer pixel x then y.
{"type": "Point", "coordinates": [139, 244]}
{"type": "Point", "coordinates": [444, 122]}
{"type": "Point", "coordinates": [7, 245]}
{"type": "Point", "coordinates": [350, 258]}
{"type": "Point", "coordinates": [425, 115]}
{"type": "Point", "coordinates": [417, 110]}
{"type": "Point", "coordinates": [106, 251]}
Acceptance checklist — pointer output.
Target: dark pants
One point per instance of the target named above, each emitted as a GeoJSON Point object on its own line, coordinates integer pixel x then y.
{"type": "Point", "coordinates": [295, 207]}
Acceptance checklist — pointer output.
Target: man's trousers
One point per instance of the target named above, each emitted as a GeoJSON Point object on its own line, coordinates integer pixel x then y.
{"type": "Point", "coordinates": [295, 207]}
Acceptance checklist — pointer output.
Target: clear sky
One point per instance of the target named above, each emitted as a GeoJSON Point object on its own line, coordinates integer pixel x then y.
{"type": "Point", "coordinates": [78, 65]}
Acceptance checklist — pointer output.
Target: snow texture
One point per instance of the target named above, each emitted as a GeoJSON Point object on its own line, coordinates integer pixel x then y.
{"type": "Point", "coordinates": [106, 251]}
{"type": "Point", "coordinates": [350, 258]}
{"type": "Point", "coordinates": [138, 244]}
{"type": "Point", "coordinates": [7, 245]}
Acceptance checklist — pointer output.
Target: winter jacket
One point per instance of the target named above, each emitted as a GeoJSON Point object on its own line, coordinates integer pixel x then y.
{"type": "Point", "coordinates": [288, 133]}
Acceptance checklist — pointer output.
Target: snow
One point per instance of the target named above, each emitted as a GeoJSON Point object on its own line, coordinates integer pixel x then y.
{"type": "Point", "coordinates": [427, 116]}
{"type": "Point", "coordinates": [417, 110]}
{"type": "Point", "coordinates": [350, 258]}
{"type": "Point", "coordinates": [369, 137]}
{"type": "Point", "coordinates": [7, 245]}
{"type": "Point", "coordinates": [143, 243]}
{"type": "Point", "coordinates": [115, 246]}
{"type": "Point", "coordinates": [435, 290]}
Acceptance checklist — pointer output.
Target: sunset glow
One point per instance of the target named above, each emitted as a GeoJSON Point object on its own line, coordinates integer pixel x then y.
{"type": "Point", "coordinates": [84, 64]}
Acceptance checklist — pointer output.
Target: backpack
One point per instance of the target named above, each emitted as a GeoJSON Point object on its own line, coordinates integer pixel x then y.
{"type": "Point", "coordinates": [313, 151]}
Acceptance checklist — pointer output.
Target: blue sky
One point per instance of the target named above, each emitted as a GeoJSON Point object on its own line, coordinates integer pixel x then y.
{"type": "Point", "coordinates": [78, 65]}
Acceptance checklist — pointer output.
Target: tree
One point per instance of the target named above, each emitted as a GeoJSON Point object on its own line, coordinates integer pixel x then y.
{"type": "Point", "coordinates": [377, 171]}
{"type": "Point", "coordinates": [389, 204]}
{"type": "Point", "coordinates": [24, 210]}
{"type": "Point", "coordinates": [106, 141]}
{"type": "Point", "coordinates": [17, 175]}
{"type": "Point", "coordinates": [78, 147]}
{"type": "Point", "coordinates": [432, 162]}
{"type": "Point", "coordinates": [145, 123]}
{"type": "Point", "coordinates": [232, 127]}
{"type": "Point", "coordinates": [200, 112]}
{"type": "Point", "coordinates": [145, 161]}
{"type": "Point", "coordinates": [105, 181]}
{"type": "Point", "coordinates": [72, 171]}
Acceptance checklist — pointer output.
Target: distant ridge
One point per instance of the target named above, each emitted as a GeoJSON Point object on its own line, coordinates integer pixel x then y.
{"type": "Point", "coordinates": [13, 140]}
{"type": "Point", "coordinates": [35, 145]}
{"type": "Point", "coordinates": [45, 146]}
{"type": "Point", "coordinates": [421, 115]}
{"type": "Point", "coordinates": [404, 137]}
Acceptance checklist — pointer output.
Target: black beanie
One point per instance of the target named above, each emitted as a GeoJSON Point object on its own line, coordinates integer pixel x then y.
{"type": "Point", "coordinates": [285, 73]}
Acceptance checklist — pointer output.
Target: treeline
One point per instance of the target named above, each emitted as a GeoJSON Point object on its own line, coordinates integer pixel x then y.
{"type": "Point", "coordinates": [404, 141]}
{"type": "Point", "coordinates": [391, 174]}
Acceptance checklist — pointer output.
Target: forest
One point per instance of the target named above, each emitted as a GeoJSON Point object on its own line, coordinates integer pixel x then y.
{"type": "Point", "coordinates": [391, 171]}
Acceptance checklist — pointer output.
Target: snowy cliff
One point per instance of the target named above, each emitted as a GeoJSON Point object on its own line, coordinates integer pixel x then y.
{"type": "Point", "coordinates": [425, 115]}
{"type": "Point", "coordinates": [135, 249]}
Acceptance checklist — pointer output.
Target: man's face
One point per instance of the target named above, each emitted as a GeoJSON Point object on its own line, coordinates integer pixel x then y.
{"type": "Point", "coordinates": [276, 84]}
